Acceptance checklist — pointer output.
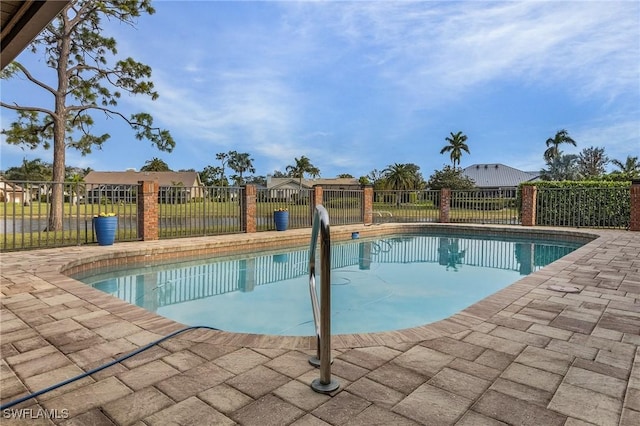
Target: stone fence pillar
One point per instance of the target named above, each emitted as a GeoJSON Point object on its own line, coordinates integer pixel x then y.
{"type": "Point", "coordinates": [367, 205]}
{"type": "Point", "coordinates": [148, 229]}
{"type": "Point", "coordinates": [248, 209]}
{"type": "Point", "coordinates": [529, 201]}
{"type": "Point", "coordinates": [445, 205]}
{"type": "Point", "coordinates": [316, 199]}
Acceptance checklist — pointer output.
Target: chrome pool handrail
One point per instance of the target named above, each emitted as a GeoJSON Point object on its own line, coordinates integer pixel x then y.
{"type": "Point", "coordinates": [322, 311]}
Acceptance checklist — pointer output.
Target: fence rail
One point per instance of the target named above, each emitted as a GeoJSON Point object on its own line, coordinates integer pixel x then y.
{"type": "Point", "coordinates": [584, 207]}
{"type": "Point", "coordinates": [27, 221]}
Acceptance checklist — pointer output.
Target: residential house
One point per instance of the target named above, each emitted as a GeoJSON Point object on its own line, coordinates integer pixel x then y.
{"type": "Point", "coordinates": [174, 187]}
{"type": "Point", "coordinates": [287, 189]}
{"type": "Point", "coordinates": [498, 177]}
{"type": "Point", "coordinates": [13, 193]}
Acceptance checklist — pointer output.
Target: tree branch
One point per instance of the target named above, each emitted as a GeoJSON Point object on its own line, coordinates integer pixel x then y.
{"type": "Point", "coordinates": [33, 79]}
{"type": "Point", "coordinates": [27, 108]}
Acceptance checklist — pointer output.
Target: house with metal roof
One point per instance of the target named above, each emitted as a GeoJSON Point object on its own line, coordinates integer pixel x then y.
{"type": "Point", "coordinates": [286, 188]}
{"type": "Point", "coordinates": [496, 176]}
{"type": "Point", "coordinates": [174, 187]}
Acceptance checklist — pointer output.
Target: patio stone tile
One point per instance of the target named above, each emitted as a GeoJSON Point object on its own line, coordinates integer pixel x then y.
{"type": "Point", "coordinates": [224, 398]}
{"type": "Point", "coordinates": [26, 345]}
{"type": "Point", "coordinates": [194, 381]}
{"type": "Point", "coordinates": [10, 350]}
{"type": "Point", "coordinates": [241, 360]}
{"type": "Point", "coordinates": [40, 365]}
{"type": "Point", "coordinates": [98, 353]}
{"type": "Point", "coordinates": [520, 336]}
{"type": "Point", "coordinates": [632, 400]}
{"type": "Point", "coordinates": [191, 411]}
{"type": "Point", "coordinates": [623, 361]}
{"type": "Point", "coordinates": [472, 418]}
{"type": "Point", "coordinates": [442, 408]}
{"type": "Point", "coordinates": [136, 406]}
{"type": "Point", "coordinates": [347, 370]}
{"type": "Point", "coordinates": [596, 382]}
{"type": "Point", "coordinates": [371, 357]}
{"type": "Point", "coordinates": [292, 363]}
{"type": "Point", "coordinates": [301, 395]}
{"type": "Point", "coordinates": [54, 376]}
{"type": "Point", "coordinates": [258, 381]}
{"type": "Point", "coordinates": [267, 411]}
{"type": "Point", "coordinates": [522, 391]}
{"type": "Point", "coordinates": [18, 335]}
{"type": "Point", "coordinates": [117, 329]}
{"type": "Point", "coordinates": [533, 377]}
{"type": "Point", "coordinates": [87, 397]}
{"type": "Point", "coordinates": [475, 369]}
{"type": "Point", "coordinates": [94, 417]}
{"type": "Point", "coordinates": [576, 422]}
{"type": "Point", "coordinates": [544, 359]}
{"type": "Point", "coordinates": [598, 367]}
{"type": "Point", "coordinates": [80, 345]}
{"type": "Point", "coordinates": [423, 360]}
{"type": "Point", "coordinates": [630, 418]}
{"type": "Point", "coordinates": [183, 360]}
{"type": "Point", "coordinates": [586, 405]}
{"type": "Point", "coordinates": [459, 383]}
{"type": "Point", "coordinates": [496, 343]}
{"type": "Point", "coordinates": [375, 415]}
{"type": "Point", "coordinates": [57, 327]}
{"type": "Point", "coordinates": [70, 313]}
{"type": "Point", "coordinates": [375, 393]}
{"type": "Point", "coordinates": [147, 374]}
{"type": "Point", "coordinates": [152, 354]}
{"type": "Point", "coordinates": [341, 408]}
{"type": "Point", "coordinates": [72, 336]}
{"type": "Point", "coordinates": [396, 377]}
{"type": "Point", "coordinates": [572, 349]}
{"type": "Point", "coordinates": [514, 411]}
{"type": "Point", "coordinates": [495, 359]}
{"type": "Point", "coordinates": [209, 351]}
{"type": "Point", "coordinates": [455, 348]}
{"type": "Point", "coordinates": [572, 324]}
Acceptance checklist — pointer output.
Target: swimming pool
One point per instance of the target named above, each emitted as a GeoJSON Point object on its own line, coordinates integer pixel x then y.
{"type": "Point", "coordinates": [378, 284]}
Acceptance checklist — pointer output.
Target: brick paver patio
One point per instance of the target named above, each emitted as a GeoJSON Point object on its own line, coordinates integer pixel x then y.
{"type": "Point", "coordinates": [526, 355]}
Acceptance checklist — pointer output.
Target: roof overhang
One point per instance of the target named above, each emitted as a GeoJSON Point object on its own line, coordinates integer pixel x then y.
{"type": "Point", "coordinates": [21, 21]}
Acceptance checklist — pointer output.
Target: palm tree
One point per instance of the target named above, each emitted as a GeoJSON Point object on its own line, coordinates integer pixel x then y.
{"type": "Point", "coordinates": [457, 144]}
{"type": "Point", "coordinates": [155, 165]}
{"type": "Point", "coordinates": [630, 167]}
{"type": "Point", "coordinates": [562, 167]}
{"type": "Point", "coordinates": [303, 166]}
{"type": "Point", "coordinates": [562, 136]}
{"type": "Point", "coordinates": [240, 162]}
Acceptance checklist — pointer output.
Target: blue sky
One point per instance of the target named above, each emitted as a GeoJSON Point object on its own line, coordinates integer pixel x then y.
{"type": "Point", "coordinates": [356, 86]}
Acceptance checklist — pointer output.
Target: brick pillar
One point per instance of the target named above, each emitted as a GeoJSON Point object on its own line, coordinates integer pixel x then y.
{"type": "Point", "coordinates": [316, 199]}
{"type": "Point", "coordinates": [148, 210]}
{"type": "Point", "coordinates": [248, 208]}
{"type": "Point", "coordinates": [367, 208]}
{"type": "Point", "coordinates": [634, 222]}
{"type": "Point", "coordinates": [445, 204]}
{"type": "Point", "coordinates": [529, 201]}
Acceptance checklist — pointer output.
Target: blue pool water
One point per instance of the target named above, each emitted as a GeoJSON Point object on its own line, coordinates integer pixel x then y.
{"type": "Point", "coordinates": [377, 284]}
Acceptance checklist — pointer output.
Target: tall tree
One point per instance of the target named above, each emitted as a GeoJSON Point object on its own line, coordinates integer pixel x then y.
{"type": "Point", "coordinates": [456, 144]}
{"type": "Point", "coordinates": [402, 177]}
{"type": "Point", "coordinates": [630, 167]}
{"type": "Point", "coordinates": [562, 167]}
{"type": "Point", "coordinates": [450, 178]}
{"type": "Point", "coordinates": [34, 170]}
{"type": "Point", "coordinates": [303, 166]}
{"type": "Point", "coordinates": [87, 79]}
{"type": "Point", "coordinates": [592, 162]}
{"type": "Point", "coordinates": [240, 162]}
{"type": "Point", "coordinates": [223, 157]}
{"type": "Point", "coordinates": [155, 165]}
{"type": "Point", "coordinates": [553, 150]}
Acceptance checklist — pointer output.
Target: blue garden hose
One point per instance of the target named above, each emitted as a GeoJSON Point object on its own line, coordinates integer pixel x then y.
{"type": "Point", "coordinates": [102, 367]}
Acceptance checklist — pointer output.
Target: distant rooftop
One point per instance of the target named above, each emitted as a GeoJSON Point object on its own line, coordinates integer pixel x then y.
{"type": "Point", "coordinates": [496, 175]}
